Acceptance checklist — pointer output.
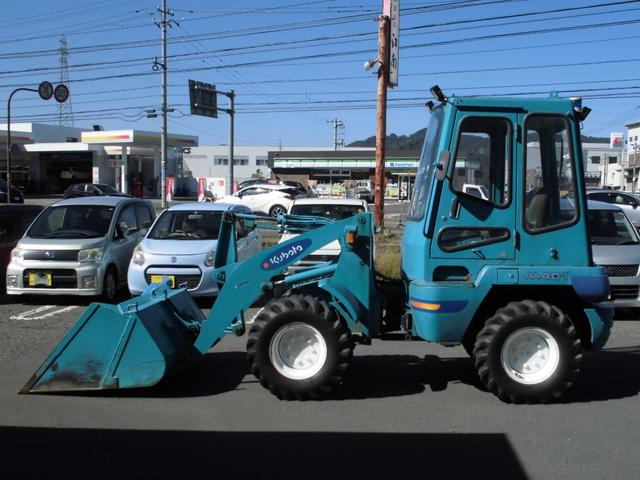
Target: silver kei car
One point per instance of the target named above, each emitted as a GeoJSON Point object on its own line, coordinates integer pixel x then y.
{"type": "Point", "coordinates": [616, 246]}
{"type": "Point", "coordinates": [79, 246]}
{"type": "Point", "coordinates": [181, 246]}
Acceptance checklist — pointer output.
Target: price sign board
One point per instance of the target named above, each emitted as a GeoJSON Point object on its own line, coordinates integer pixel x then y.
{"type": "Point", "coordinates": [391, 9]}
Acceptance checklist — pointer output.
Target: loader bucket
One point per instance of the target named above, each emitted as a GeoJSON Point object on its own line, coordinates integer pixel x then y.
{"type": "Point", "coordinates": [133, 344]}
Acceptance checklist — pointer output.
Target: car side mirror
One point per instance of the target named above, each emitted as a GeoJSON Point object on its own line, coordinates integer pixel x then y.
{"type": "Point", "coordinates": [121, 231]}
{"type": "Point", "coordinates": [442, 165]}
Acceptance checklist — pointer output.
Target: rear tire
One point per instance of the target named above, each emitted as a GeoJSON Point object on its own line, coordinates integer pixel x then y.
{"type": "Point", "coordinates": [277, 210]}
{"type": "Point", "coordinates": [528, 352]}
{"type": "Point", "coordinates": [299, 348]}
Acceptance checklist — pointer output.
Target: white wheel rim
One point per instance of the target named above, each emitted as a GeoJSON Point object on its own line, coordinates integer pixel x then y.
{"type": "Point", "coordinates": [530, 355]}
{"type": "Point", "coordinates": [298, 351]}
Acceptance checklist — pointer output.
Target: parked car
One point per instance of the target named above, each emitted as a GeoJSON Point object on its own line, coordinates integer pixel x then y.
{"type": "Point", "coordinates": [616, 246]}
{"type": "Point", "coordinates": [478, 191]}
{"type": "Point", "coordinates": [361, 193]}
{"type": "Point", "coordinates": [625, 200]}
{"type": "Point", "coordinates": [266, 199]}
{"type": "Point", "coordinates": [16, 194]}
{"type": "Point", "coordinates": [79, 246]}
{"type": "Point", "coordinates": [92, 190]}
{"type": "Point", "coordinates": [271, 181]}
{"type": "Point", "coordinates": [181, 246]}
{"type": "Point", "coordinates": [14, 221]}
{"type": "Point", "coordinates": [73, 174]}
{"type": "Point", "coordinates": [334, 209]}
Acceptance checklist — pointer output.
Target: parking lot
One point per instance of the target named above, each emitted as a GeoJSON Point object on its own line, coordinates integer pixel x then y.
{"type": "Point", "coordinates": [406, 408]}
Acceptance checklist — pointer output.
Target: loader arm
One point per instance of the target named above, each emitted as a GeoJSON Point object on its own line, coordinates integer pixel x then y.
{"type": "Point", "coordinates": [243, 283]}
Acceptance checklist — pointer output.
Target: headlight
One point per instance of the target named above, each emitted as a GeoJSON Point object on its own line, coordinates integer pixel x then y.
{"type": "Point", "coordinates": [17, 254]}
{"type": "Point", "coordinates": [90, 255]}
{"type": "Point", "coordinates": [211, 256]}
{"type": "Point", "coordinates": [138, 255]}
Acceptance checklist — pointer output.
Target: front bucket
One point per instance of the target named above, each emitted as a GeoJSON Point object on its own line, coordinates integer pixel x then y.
{"type": "Point", "coordinates": [133, 344]}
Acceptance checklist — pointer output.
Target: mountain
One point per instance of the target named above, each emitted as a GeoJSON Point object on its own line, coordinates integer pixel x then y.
{"type": "Point", "coordinates": [413, 142]}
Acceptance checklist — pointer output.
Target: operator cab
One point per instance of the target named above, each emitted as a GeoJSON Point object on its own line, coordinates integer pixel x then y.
{"type": "Point", "coordinates": [497, 185]}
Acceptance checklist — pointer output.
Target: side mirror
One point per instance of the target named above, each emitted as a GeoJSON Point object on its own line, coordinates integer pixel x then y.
{"type": "Point", "coordinates": [122, 230]}
{"type": "Point", "coordinates": [442, 165]}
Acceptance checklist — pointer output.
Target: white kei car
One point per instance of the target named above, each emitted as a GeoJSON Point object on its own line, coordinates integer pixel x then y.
{"type": "Point", "coordinates": [181, 245]}
{"type": "Point", "coordinates": [335, 209]}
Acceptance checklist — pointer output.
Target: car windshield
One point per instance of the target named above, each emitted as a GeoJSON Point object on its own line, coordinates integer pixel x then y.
{"type": "Point", "coordinates": [334, 212]}
{"type": "Point", "coordinates": [187, 225]}
{"type": "Point", "coordinates": [73, 221]}
{"type": "Point", "coordinates": [611, 227]}
{"type": "Point", "coordinates": [106, 188]}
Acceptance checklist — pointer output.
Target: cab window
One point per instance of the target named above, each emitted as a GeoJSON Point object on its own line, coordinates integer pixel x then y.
{"type": "Point", "coordinates": [483, 159]}
{"type": "Point", "coordinates": [549, 201]}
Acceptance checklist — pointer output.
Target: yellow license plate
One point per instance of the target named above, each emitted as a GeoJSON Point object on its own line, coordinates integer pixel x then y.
{"type": "Point", "coordinates": [37, 279]}
{"type": "Point", "coordinates": [160, 279]}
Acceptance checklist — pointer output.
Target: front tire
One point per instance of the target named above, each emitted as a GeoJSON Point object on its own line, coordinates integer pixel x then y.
{"type": "Point", "coordinates": [528, 352]}
{"type": "Point", "coordinates": [109, 285]}
{"type": "Point", "coordinates": [277, 210]}
{"type": "Point", "coordinates": [299, 348]}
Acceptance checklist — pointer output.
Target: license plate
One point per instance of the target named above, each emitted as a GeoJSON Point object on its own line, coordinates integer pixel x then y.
{"type": "Point", "coordinates": [38, 279]}
{"type": "Point", "coordinates": [160, 279]}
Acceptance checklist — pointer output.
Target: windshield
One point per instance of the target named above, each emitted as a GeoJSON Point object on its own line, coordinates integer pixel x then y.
{"type": "Point", "coordinates": [334, 212]}
{"type": "Point", "coordinates": [424, 175]}
{"type": "Point", "coordinates": [106, 188]}
{"type": "Point", "coordinates": [187, 225]}
{"type": "Point", "coordinates": [73, 221]}
{"type": "Point", "coordinates": [610, 227]}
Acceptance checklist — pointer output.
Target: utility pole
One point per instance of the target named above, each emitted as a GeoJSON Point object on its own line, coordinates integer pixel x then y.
{"type": "Point", "coordinates": [381, 131]}
{"type": "Point", "coordinates": [336, 125]}
{"type": "Point", "coordinates": [231, 111]}
{"type": "Point", "coordinates": [164, 22]}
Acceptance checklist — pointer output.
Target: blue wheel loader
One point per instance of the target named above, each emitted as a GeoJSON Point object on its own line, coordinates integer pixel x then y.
{"type": "Point", "coordinates": [504, 269]}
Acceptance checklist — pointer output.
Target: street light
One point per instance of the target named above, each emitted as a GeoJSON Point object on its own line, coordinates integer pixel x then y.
{"type": "Point", "coordinates": [46, 91]}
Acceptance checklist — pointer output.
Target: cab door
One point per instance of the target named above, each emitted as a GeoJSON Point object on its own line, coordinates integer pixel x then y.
{"type": "Point", "coordinates": [476, 212]}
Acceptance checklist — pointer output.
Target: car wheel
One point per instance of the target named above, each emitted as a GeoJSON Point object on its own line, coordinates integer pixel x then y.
{"type": "Point", "coordinates": [528, 352]}
{"type": "Point", "coordinates": [299, 348]}
{"type": "Point", "coordinates": [277, 210]}
{"type": "Point", "coordinates": [109, 285]}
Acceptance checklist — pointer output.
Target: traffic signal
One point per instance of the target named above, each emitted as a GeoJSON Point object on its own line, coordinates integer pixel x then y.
{"type": "Point", "coordinates": [203, 99]}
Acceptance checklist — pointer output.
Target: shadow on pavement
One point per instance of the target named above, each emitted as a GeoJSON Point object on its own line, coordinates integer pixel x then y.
{"type": "Point", "coordinates": [610, 374]}
{"type": "Point", "coordinates": [116, 454]}
{"type": "Point", "coordinates": [607, 375]}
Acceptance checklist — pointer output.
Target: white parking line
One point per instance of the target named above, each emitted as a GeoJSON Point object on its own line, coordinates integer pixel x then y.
{"type": "Point", "coordinates": [42, 312]}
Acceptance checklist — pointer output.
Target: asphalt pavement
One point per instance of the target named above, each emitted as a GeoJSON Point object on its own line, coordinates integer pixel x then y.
{"type": "Point", "coordinates": [405, 408]}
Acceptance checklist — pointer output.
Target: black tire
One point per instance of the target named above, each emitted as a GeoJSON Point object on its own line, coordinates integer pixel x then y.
{"type": "Point", "coordinates": [277, 210]}
{"type": "Point", "coordinates": [468, 347]}
{"type": "Point", "coordinates": [516, 321]}
{"type": "Point", "coordinates": [298, 311]}
{"type": "Point", "coordinates": [109, 285]}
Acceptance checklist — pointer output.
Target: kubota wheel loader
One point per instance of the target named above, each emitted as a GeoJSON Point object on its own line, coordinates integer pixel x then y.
{"type": "Point", "coordinates": [508, 274]}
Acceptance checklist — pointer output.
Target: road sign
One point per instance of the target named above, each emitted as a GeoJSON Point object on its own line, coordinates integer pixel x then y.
{"type": "Point", "coordinates": [61, 93]}
{"type": "Point", "coordinates": [203, 98]}
{"type": "Point", "coordinates": [45, 90]}
{"type": "Point", "coordinates": [391, 8]}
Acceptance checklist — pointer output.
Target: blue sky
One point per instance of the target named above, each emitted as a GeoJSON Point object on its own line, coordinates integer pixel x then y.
{"type": "Point", "coordinates": [295, 65]}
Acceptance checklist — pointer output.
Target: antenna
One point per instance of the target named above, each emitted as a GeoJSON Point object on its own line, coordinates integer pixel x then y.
{"type": "Point", "coordinates": [65, 109]}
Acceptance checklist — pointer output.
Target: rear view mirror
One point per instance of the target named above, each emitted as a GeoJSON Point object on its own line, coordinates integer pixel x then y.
{"type": "Point", "coordinates": [442, 165]}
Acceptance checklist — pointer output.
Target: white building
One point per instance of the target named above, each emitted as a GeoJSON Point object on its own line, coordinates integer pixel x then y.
{"type": "Point", "coordinates": [603, 166]}
{"type": "Point", "coordinates": [633, 156]}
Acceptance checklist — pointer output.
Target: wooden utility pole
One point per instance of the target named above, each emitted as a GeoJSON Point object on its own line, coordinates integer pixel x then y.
{"type": "Point", "coordinates": [381, 132]}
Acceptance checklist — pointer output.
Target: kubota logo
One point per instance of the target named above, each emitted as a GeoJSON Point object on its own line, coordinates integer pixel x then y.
{"type": "Point", "coordinates": [285, 254]}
